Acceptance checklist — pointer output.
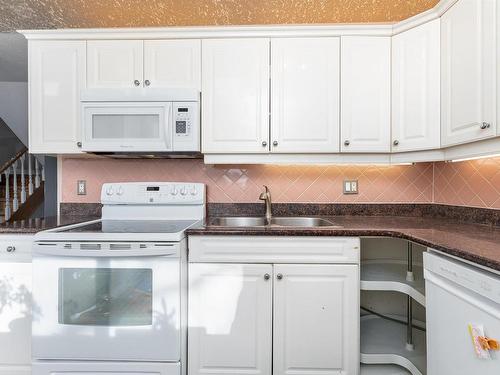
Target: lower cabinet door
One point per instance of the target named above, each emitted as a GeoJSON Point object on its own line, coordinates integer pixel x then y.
{"type": "Point", "coordinates": [230, 319]}
{"type": "Point", "coordinates": [316, 320]}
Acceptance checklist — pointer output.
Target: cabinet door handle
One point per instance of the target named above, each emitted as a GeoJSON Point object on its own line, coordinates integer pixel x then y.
{"type": "Point", "coordinates": [11, 249]}
{"type": "Point", "coordinates": [279, 276]}
{"type": "Point", "coordinates": [396, 142]}
{"type": "Point", "coordinates": [485, 125]}
{"type": "Point", "coordinates": [275, 143]}
{"type": "Point", "coordinates": [267, 276]}
{"type": "Point", "coordinates": [78, 144]}
{"type": "Point", "coordinates": [147, 82]}
{"type": "Point", "coordinates": [347, 142]}
{"type": "Point", "coordinates": [264, 143]}
{"type": "Point", "coordinates": [137, 82]}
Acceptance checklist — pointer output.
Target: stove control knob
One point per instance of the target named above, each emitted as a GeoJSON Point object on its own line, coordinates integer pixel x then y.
{"type": "Point", "coordinates": [173, 191]}
{"type": "Point", "coordinates": [109, 190]}
{"type": "Point", "coordinates": [119, 191]}
{"type": "Point", "coordinates": [184, 190]}
{"type": "Point", "coordinates": [193, 190]}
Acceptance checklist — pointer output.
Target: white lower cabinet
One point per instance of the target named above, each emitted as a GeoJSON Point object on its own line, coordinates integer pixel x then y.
{"type": "Point", "coordinates": [15, 305]}
{"type": "Point", "coordinates": [230, 318]}
{"type": "Point", "coordinates": [263, 319]}
{"type": "Point", "coordinates": [316, 319]}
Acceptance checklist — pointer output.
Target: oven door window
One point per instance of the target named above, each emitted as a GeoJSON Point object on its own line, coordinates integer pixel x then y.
{"type": "Point", "coordinates": [105, 296]}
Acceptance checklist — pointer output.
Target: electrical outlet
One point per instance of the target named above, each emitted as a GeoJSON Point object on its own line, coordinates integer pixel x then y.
{"type": "Point", "coordinates": [351, 186]}
{"type": "Point", "coordinates": [81, 187]}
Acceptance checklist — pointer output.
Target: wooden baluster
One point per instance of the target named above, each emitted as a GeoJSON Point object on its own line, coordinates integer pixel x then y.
{"type": "Point", "coordinates": [15, 200]}
{"type": "Point", "coordinates": [37, 173]}
{"type": "Point", "coordinates": [7, 195]}
{"type": "Point", "coordinates": [23, 182]}
{"type": "Point", "coordinates": [30, 176]}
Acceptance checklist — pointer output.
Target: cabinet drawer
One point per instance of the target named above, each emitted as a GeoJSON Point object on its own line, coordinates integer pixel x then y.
{"type": "Point", "coordinates": [266, 249]}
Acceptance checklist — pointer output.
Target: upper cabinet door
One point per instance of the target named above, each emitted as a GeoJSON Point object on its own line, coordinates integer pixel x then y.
{"type": "Point", "coordinates": [230, 319]}
{"type": "Point", "coordinates": [366, 94]}
{"type": "Point", "coordinates": [316, 320]}
{"type": "Point", "coordinates": [56, 76]}
{"type": "Point", "coordinates": [114, 63]}
{"type": "Point", "coordinates": [305, 97]}
{"type": "Point", "coordinates": [468, 61]}
{"type": "Point", "coordinates": [416, 86]}
{"type": "Point", "coordinates": [172, 63]}
{"type": "Point", "coordinates": [235, 102]}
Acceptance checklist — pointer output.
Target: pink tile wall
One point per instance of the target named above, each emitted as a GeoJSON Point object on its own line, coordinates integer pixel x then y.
{"type": "Point", "coordinates": [471, 183]}
{"type": "Point", "coordinates": [377, 184]}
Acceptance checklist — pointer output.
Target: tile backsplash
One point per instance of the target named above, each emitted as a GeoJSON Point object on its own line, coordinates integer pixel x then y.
{"type": "Point", "coordinates": [471, 183]}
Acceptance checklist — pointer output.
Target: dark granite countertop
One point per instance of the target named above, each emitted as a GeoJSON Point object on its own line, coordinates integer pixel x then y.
{"type": "Point", "coordinates": [473, 242]}
{"type": "Point", "coordinates": [32, 226]}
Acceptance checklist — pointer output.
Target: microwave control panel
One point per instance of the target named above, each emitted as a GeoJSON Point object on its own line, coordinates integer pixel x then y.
{"type": "Point", "coordinates": [186, 128]}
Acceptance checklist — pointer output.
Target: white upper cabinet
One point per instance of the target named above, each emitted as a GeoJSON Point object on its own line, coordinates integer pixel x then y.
{"type": "Point", "coordinates": [172, 63]}
{"type": "Point", "coordinates": [365, 94]}
{"type": "Point", "coordinates": [114, 63]}
{"type": "Point", "coordinates": [56, 76]}
{"type": "Point", "coordinates": [468, 68]}
{"type": "Point", "coordinates": [305, 95]}
{"type": "Point", "coordinates": [235, 86]}
{"type": "Point", "coordinates": [316, 320]}
{"type": "Point", "coordinates": [416, 86]}
{"type": "Point", "coordinates": [230, 319]}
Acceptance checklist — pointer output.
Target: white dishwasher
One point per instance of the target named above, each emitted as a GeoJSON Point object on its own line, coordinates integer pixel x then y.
{"type": "Point", "coordinates": [457, 295]}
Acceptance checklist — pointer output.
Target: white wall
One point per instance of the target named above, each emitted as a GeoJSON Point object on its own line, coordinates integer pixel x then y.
{"type": "Point", "coordinates": [14, 107]}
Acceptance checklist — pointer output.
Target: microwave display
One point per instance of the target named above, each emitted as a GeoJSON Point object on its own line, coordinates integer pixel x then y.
{"type": "Point", "coordinates": [182, 110]}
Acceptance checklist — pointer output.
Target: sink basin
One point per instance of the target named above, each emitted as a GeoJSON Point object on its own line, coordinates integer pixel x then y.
{"type": "Point", "coordinates": [238, 221]}
{"type": "Point", "coordinates": [300, 222]}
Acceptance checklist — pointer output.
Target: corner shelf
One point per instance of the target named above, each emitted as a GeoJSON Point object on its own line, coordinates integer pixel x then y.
{"type": "Point", "coordinates": [384, 341]}
{"type": "Point", "coordinates": [390, 275]}
{"type": "Point", "coordinates": [383, 370]}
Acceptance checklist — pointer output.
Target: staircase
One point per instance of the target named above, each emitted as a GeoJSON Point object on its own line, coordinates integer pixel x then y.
{"type": "Point", "coordinates": [21, 186]}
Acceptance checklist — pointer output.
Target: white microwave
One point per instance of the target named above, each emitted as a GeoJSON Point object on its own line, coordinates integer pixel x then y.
{"type": "Point", "coordinates": [140, 120]}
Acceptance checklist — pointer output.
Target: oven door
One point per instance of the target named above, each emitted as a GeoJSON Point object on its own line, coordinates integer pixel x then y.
{"type": "Point", "coordinates": [106, 308]}
{"type": "Point", "coordinates": [127, 126]}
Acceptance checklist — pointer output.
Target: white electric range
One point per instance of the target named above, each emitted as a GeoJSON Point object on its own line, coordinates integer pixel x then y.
{"type": "Point", "coordinates": [109, 295]}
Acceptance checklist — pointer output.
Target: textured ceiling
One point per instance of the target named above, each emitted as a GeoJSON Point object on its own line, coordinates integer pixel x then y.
{"type": "Point", "coordinates": [49, 14]}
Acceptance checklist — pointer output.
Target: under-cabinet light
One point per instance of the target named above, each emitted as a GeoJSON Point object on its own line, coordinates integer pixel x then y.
{"type": "Point", "coordinates": [473, 158]}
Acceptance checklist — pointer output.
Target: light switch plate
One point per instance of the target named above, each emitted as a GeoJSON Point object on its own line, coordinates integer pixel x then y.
{"type": "Point", "coordinates": [81, 187]}
{"type": "Point", "coordinates": [351, 186]}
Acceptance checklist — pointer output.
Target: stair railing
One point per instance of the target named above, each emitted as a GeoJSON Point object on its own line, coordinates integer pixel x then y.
{"type": "Point", "coordinates": [12, 168]}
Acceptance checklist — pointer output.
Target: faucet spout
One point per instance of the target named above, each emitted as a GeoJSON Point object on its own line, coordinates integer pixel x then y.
{"type": "Point", "coordinates": [266, 197]}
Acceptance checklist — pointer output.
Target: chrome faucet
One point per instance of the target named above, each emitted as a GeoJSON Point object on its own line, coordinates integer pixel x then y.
{"type": "Point", "coordinates": [266, 197]}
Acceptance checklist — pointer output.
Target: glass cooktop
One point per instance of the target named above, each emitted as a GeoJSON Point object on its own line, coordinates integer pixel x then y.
{"type": "Point", "coordinates": [133, 226]}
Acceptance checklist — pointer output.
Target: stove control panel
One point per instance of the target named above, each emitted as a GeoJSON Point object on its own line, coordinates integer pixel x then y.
{"type": "Point", "coordinates": [153, 193]}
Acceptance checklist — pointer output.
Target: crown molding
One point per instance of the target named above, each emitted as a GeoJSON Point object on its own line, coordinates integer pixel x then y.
{"type": "Point", "coordinates": [250, 31]}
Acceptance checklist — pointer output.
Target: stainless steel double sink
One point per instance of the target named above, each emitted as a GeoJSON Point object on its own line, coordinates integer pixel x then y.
{"type": "Point", "coordinates": [293, 221]}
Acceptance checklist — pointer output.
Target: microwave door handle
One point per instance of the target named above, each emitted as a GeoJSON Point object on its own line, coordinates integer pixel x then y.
{"type": "Point", "coordinates": [170, 128]}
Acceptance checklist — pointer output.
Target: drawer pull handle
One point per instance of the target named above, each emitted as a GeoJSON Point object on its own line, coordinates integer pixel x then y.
{"type": "Point", "coordinates": [11, 249]}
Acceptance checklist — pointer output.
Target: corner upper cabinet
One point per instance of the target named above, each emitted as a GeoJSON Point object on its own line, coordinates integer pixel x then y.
{"type": "Point", "coordinates": [468, 66]}
{"type": "Point", "coordinates": [235, 105]}
{"type": "Point", "coordinates": [305, 95]}
{"type": "Point", "coordinates": [365, 94]}
{"type": "Point", "coordinates": [416, 89]}
{"type": "Point", "coordinates": [114, 63]}
{"type": "Point", "coordinates": [172, 63]}
{"type": "Point", "coordinates": [56, 76]}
